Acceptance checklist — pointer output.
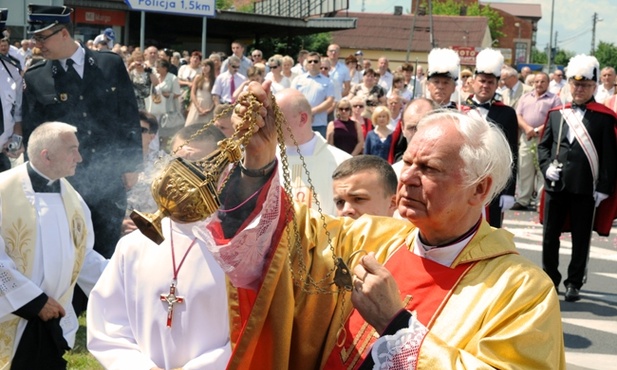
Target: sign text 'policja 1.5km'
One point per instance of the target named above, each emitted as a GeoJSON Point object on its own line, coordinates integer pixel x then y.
{"type": "Point", "coordinates": [196, 8]}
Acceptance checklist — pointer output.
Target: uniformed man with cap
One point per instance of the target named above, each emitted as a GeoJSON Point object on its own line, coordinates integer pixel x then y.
{"type": "Point", "coordinates": [10, 108]}
{"type": "Point", "coordinates": [578, 157]}
{"type": "Point", "coordinates": [443, 71]}
{"type": "Point", "coordinates": [92, 91]}
{"type": "Point", "coordinates": [483, 104]}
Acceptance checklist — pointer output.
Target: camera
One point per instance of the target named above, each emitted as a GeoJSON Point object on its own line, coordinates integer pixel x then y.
{"type": "Point", "coordinates": [148, 69]}
{"type": "Point", "coordinates": [14, 143]}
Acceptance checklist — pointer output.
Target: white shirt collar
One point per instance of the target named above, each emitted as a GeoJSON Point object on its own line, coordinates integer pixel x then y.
{"type": "Point", "coordinates": [442, 255]}
{"type": "Point", "coordinates": [306, 149]}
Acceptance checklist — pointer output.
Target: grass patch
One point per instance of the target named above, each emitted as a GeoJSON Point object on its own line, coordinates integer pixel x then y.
{"type": "Point", "coordinates": [79, 358]}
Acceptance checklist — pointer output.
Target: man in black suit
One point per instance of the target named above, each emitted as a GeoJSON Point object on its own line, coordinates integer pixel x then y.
{"type": "Point", "coordinates": [578, 157]}
{"type": "Point", "coordinates": [91, 91]}
{"type": "Point", "coordinates": [484, 104]}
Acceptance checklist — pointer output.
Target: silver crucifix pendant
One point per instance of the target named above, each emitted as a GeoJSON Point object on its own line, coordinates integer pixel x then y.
{"type": "Point", "coordinates": [171, 298]}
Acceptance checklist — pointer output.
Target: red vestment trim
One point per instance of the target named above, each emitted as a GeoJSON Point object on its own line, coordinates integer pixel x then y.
{"type": "Point", "coordinates": [425, 288]}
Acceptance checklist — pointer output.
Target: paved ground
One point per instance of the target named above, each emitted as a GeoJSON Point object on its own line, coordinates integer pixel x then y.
{"type": "Point", "coordinates": [590, 325]}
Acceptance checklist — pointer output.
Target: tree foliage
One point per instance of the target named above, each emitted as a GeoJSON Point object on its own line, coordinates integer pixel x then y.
{"type": "Point", "coordinates": [453, 7]}
{"type": "Point", "coordinates": [606, 53]}
{"type": "Point", "coordinates": [291, 45]}
{"type": "Point", "coordinates": [538, 56]}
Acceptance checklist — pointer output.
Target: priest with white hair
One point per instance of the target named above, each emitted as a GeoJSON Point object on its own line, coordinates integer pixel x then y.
{"type": "Point", "coordinates": [46, 247]}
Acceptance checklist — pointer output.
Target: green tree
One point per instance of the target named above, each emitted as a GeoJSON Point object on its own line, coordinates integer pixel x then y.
{"type": "Point", "coordinates": [453, 7]}
{"type": "Point", "coordinates": [562, 57]}
{"type": "Point", "coordinates": [538, 56]}
{"type": "Point", "coordinates": [291, 45]}
{"type": "Point", "coordinates": [606, 53]}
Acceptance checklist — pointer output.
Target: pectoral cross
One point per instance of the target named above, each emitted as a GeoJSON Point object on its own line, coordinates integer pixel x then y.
{"type": "Point", "coordinates": [171, 299]}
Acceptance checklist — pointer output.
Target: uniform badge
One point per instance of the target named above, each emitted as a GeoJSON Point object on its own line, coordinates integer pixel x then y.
{"type": "Point", "coordinates": [54, 70]}
{"type": "Point", "coordinates": [64, 97]}
{"type": "Point", "coordinates": [91, 61]}
{"type": "Point", "coordinates": [113, 88]}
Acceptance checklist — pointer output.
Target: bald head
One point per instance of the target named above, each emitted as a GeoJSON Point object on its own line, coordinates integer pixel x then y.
{"type": "Point", "coordinates": [413, 113]}
{"type": "Point", "coordinates": [297, 112]}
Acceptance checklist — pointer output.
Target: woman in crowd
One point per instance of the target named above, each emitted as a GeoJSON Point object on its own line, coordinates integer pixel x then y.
{"type": "Point", "coordinates": [345, 133]}
{"type": "Point", "coordinates": [279, 82]}
{"type": "Point", "coordinates": [354, 71]}
{"type": "Point", "coordinates": [370, 91]}
{"type": "Point", "coordinates": [186, 75]}
{"type": "Point", "coordinates": [378, 141]}
{"type": "Point", "coordinates": [216, 59]}
{"type": "Point", "coordinates": [200, 109]}
{"type": "Point", "coordinates": [398, 88]}
{"type": "Point", "coordinates": [288, 63]}
{"type": "Point", "coordinates": [143, 79]}
{"type": "Point", "coordinates": [357, 114]}
{"type": "Point", "coordinates": [168, 90]}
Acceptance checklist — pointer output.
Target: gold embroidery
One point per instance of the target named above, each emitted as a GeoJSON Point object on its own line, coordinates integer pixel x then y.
{"type": "Point", "coordinates": [17, 238]}
{"type": "Point", "coordinates": [8, 330]}
{"type": "Point", "coordinates": [78, 232]}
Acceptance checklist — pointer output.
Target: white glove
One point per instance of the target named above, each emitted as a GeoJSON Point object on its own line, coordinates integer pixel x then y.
{"type": "Point", "coordinates": [599, 197]}
{"type": "Point", "coordinates": [553, 172]}
{"type": "Point", "coordinates": [506, 202]}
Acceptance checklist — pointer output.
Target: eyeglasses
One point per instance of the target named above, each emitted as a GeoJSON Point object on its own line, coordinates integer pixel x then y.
{"type": "Point", "coordinates": [273, 67]}
{"type": "Point", "coordinates": [582, 85]}
{"type": "Point", "coordinates": [325, 68]}
{"type": "Point", "coordinates": [359, 106]}
{"type": "Point", "coordinates": [256, 56]}
{"type": "Point", "coordinates": [145, 130]}
{"type": "Point", "coordinates": [312, 61]}
{"type": "Point", "coordinates": [345, 109]}
{"type": "Point", "coordinates": [42, 39]}
{"type": "Point", "coordinates": [234, 67]}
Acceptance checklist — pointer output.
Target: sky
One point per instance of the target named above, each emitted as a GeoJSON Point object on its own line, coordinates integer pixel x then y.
{"type": "Point", "coordinates": [572, 20]}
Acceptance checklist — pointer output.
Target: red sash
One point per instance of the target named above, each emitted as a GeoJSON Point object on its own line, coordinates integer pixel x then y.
{"type": "Point", "coordinates": [429, 281]}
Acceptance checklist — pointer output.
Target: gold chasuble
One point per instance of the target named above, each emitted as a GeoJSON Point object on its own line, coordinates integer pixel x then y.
{"type": "Point", "coordinates": [497, 312]}
{"type": "Point", "coordinates": [19, 231]}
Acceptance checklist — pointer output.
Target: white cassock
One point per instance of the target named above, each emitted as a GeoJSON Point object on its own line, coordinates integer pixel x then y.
{"type": "Point", "coordinates": [53, 262]}
{"type": "Point", "coordinates": [127, 321]}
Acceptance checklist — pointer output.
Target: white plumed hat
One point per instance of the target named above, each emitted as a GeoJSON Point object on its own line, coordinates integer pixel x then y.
{"type": "Point", "coordinates": [443, 62]}
{"type": "Point", "coordinates": [583, 67]}
{"type": "Point", "coordinates": [489, 62]}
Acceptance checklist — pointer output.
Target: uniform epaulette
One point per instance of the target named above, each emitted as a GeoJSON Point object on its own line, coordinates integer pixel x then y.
{"type": "Point", "coordinates": [37, 65]}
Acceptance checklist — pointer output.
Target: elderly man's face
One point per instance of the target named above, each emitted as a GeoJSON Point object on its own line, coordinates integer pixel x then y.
{"type": "Point", "coordinates": [64, 157]}
{"type": "Point", "coordinates": [430, 193]}
{"type": "Point", "coordinates": [441, 88]}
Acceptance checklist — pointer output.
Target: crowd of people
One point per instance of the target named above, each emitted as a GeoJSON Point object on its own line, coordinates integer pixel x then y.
{"type": "Point", "coordinates": [373, 238]}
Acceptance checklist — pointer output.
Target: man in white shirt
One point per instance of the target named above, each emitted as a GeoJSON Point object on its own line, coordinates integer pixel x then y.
{"type": "Point", "coordinates": [227, 82]}
{"type": "Point", "coordinates": [607, 87]}
{"type": "Point", "coordinates": [385, 76]}
{"type": "Point", "coordinates": [237, 48]}
{"type": "Point", "coordinates": [557, 83]}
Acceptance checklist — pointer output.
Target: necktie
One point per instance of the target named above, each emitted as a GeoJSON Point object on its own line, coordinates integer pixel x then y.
{"type": "Point", "coordinates": [579, 106]}
{"type": "Point", "coordinates": [232, 88]}
{"type": "Point", "coordinates": [71, 69]}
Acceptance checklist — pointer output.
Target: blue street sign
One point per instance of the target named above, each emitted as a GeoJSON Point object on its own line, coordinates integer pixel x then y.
{"type": "Point", "coordinates": [196, 8]}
